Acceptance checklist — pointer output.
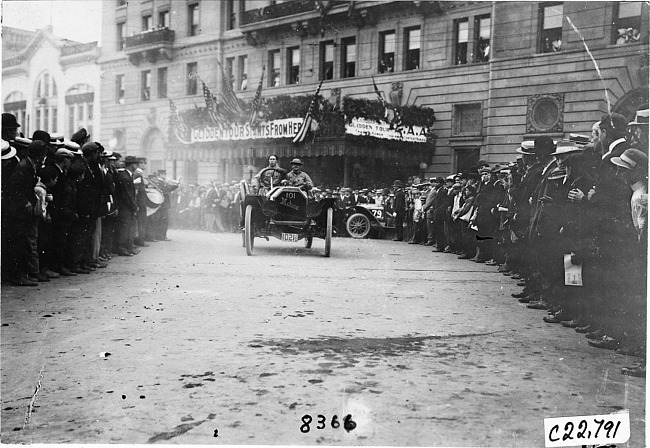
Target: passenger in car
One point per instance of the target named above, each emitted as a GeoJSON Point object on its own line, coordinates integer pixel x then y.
{"type": "Point", "coordinates": [298, 178]}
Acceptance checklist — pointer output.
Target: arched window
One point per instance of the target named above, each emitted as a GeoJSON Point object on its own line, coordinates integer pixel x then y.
{"type": "Point", "coordinates": [15, 104]}
{"type": "Point", "coordinates": [79, 102]}
{"type": "Point", "coordinates": [45, 104]}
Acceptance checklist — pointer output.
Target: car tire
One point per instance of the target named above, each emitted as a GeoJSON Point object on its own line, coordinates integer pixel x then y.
{"type": "Point", "coordinates": [328, 231]}
{"type": "Point", "coordinates": [249, 238]}
{"type": "Point", "coordinates": [358, 225]}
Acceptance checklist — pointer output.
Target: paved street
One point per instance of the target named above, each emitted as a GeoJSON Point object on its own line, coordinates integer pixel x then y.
{"type": "Point", "coordinates": [208, 346]}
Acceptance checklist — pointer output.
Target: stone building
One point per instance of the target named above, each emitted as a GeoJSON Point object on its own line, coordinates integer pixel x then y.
{"type": "Point", "coordinates": [494, 74]}
{"type": "Point", "coordinates": [50, 83]}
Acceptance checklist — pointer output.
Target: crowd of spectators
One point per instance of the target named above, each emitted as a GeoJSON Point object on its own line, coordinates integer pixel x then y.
{"type": "Point", "coordinates": [70, 205]}
{"type": "Point", "coordinates": [568, 220]}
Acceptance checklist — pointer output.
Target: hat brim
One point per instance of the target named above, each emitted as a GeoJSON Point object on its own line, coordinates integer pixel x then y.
{"type": "Point", "coordinates": [620, 162]}
{"type": "Point", "coordinates": [10, 154]}
{"type": "Point", "coordinates": [557, 153]}
{"type": "Point", "coordinates": [521, 151]}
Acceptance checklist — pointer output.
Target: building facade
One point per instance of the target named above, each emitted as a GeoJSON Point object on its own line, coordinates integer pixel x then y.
{"type": "Point", "coordinates": [50, 83]}
{"type": "Point", "coordinates": [494, 73]}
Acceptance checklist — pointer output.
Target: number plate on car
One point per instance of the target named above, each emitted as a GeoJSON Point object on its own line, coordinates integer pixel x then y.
{"type": "Point", "coordinates": [293, 237]}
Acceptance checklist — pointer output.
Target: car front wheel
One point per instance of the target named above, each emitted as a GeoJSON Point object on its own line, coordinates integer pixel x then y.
{"type": "Point", "coordinates": [358, 225]}
{"type": "Point", "coordinates": [248, 230]}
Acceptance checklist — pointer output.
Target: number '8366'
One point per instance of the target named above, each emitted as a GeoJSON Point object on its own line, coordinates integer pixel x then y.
{"type": "Point", "coordinates": [321, 423]}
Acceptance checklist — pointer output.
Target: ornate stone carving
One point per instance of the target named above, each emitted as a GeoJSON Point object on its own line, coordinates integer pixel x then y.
{"type": "Point", "coordinates": [545, 113]}
{"type": "Point", "coordinates": [395, 94]}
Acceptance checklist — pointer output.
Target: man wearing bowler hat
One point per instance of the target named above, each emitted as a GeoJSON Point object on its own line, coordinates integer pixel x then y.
{"type": "Point", "coordinates": [80, 137]}
{"type": "Point", "coordinates": [399, 210]}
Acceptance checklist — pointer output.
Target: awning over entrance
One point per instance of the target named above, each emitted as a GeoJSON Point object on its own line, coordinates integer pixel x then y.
{"type": "Point", "coordinates": [244, 152]}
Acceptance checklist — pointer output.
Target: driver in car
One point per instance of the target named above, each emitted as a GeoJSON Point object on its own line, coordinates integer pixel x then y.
{"type": "Point", "coordinates": [298, 178]}
{"type": "Point", "coordinates": [268, 177]}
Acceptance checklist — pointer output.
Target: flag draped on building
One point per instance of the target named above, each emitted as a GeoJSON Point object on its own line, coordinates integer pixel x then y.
{"type": "Point", "coordinates": [179, 128]}
{"type": "Point", "coordinates": [257, 101]}
{"type": "Point", "coordinates": [230, 100]}
{"type": "Point", "coordinates": [212, 107]}
{"type": "Point", "coordinates": [306, 124]}
{"type": "Point", "coordinates": [391, 112]}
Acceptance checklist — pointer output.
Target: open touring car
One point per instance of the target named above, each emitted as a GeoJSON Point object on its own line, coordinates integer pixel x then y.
{"type": "Point", "coordinates": [287, 213]}
{"type": "Point", "coordinates": [364, 219]}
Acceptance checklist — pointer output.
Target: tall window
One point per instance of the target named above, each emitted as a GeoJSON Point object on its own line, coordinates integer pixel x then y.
{"type": "Point", "coordinates": [461, 38]}
{"type": "Point", "coordinates": [387, 52]}
{"type": "Point", "coordinates": [231, 17]}
{"type": "Point", "coordinates": [327, 60]}
{"type": "Point", "coordinates": [349, 57]}
{"type": "Point", "coordinates": [163, 19]}
{"type": "Point", "coordinates": [162, 82]}
{"type": "Point", "coordinates": [412, 47]}
{"type": "Point", "coordinates": [551, 17]}
{"type": "Point", "coordinates": [293, 64]}
{"type": "Point", "coordinates": [145, 85]}
{"type": "Point", "coordinates": [192, 69]}
{"type": "Point", "coordinates": [274, 68]}
{"type": "Point", "coordinates": [45, 101]}
{"type": "Point", "coordinates": [121, 36]}
{"type": "Point", "coordinates": [119, 89]}
{"type": "Point", "coordinates": [79, 100]}
{"type": "Point", "coordinates": [193, 25]}
{"type": "Point", "coordinates": [230, 72]}
{"type": "Point", "coordinates": [627, 23]}
{"type": "Point", "coordinates": [147, 22]}
{"type": "Point", "coordinates": [242, 70]}
{"type": "Point", "coordinates": [482, 38]}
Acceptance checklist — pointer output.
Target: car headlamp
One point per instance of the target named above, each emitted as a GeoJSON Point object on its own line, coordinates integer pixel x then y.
{"type": "Point", "coordinates": [313, 209]}
{"type": "Point", "coordinates": [270, 208]}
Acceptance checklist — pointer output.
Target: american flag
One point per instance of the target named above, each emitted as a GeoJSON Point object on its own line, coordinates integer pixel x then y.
{"type": "Point", "coordinates": [213, 107]}
{"type": "Point", "coordinates": [180, 129]}
{"type": "Point", "coordinates": [257, 101]}
{"type": "Point", "coordinates": [230, 100]}
{"type": "Point", "coordinates": [396, 120]}
{"type": "Point", "coordinates": [306, 124]}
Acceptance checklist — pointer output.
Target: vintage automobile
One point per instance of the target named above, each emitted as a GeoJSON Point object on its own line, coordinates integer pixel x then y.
{"type": "Point", "coordinates": [287, 213]}
{"type": "Point", "coordinates": [364, 220]}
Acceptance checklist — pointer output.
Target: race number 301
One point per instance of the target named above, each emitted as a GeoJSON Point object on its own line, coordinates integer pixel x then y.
{"type": "Point", "coordinates": [587, 430]}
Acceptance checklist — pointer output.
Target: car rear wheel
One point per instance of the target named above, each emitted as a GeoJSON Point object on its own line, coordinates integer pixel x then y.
{"type": "Point", "coordinates": [248, 230]}
{"type": "Point", "coordinates": [308, 241]}
{"type": "Point", "coordinates": [358, 225]}
{"type": "Point", "coordinates": [328, 232]}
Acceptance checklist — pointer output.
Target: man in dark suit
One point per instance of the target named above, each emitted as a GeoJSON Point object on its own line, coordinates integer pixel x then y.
{"type": "Point", "coordinates": [399, 210]}
{"type": "Point", "coordinates": [438, 208]}
{"type": "Point", "coordinates": [21, 200]}
{"type": "Point", "coordinates": [126, 206]}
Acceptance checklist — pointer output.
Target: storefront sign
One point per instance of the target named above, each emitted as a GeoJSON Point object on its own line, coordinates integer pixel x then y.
{"type": "Point", "coordinates": [285, 128]}
{"type": "Point", "coordinates": [359, 126]}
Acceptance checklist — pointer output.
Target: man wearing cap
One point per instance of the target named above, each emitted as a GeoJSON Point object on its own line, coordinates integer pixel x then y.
{"type": "Point", "coordinates": [126, 207]}
{"type": "Point", "coordinates": [428, 211]}
{"type": "Point", "coordinates": [399, 210]}
{"type": "Point", "coordinates": [297, 178]}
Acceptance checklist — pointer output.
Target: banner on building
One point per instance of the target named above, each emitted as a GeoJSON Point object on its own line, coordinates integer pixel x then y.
{"type": "Point", "coordinates": [413, 134]}
{"type": "Point", "coordinates": [289, 128]}
{"type": "Point", "coordinates": [285, 128]}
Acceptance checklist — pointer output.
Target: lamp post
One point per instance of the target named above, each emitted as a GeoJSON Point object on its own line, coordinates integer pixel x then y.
{"type": "Point", "coordinates": [423, 169]}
